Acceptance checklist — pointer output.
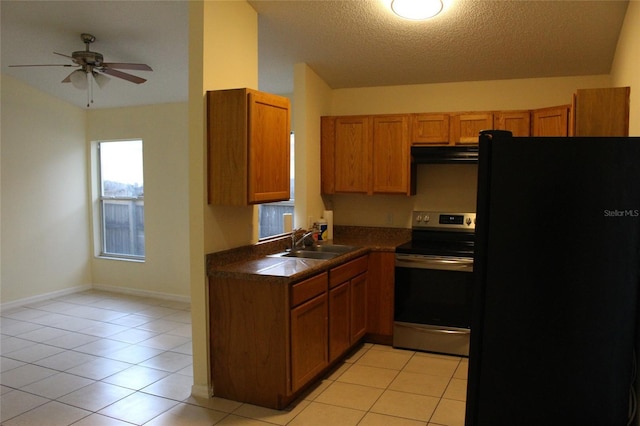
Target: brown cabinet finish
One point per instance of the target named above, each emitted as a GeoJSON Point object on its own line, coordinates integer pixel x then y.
{"type": "Point", "coordinates": [339, 329]}
{"type": "Point", "coordinates": [517, 122]}
{"type": "Point", "coordinates": [309, 341]}
{"type": "Point", "coordinates": [270, 339]}
{"type": "Point", "coordinates": [391, 156]}
{"type": "Point", "coordinates": [602, 112]}
{"type": "Point", "coordinates": [245, 347]}
{"type": "Point", "coordinates": [430, 129]}
{"type": "Point", "coordinates": [347, 305]}
{"type": "Point", "coordinates": [352, 155]}
{"type": "Point", "coordinates": [380, 297]}
{"type": "Point", "coordinates": [553, 121]}
{"type": "Point", "coordinates": [358, 317]}
{"type": "Point", "coordinates": [366, 154]}
{"type": "Point", "coordinates": [248, 147]}
{"type": "Point", "coordinates": [465, 127]}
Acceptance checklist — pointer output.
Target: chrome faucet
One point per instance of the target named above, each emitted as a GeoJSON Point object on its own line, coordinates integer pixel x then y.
{"type": "Point", "coordinates": [295, 243]}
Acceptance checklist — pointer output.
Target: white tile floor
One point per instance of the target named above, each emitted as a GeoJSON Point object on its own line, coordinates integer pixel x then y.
{"type": "Point", "coordinates": [97, 358]}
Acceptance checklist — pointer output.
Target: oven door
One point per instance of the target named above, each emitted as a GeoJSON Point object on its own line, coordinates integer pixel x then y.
{"type": "Point", "coordinates": [433, 297]}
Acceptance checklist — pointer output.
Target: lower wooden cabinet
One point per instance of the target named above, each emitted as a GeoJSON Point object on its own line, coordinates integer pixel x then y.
{"type": "Point", "coordinates": [309, 342]}
{"type": "Point", "coordinates": [358, 307]}
{"type": "Point", "coordinates": [339, 327]}
{"type": "Point", "coordinates": [270, 339]}
{"type": "Point", "coordinates": [347, 306]}
{"type": "Point", "coordinates": [381, 277]}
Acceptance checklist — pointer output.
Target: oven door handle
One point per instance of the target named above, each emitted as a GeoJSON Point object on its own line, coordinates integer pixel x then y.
{"type": "Point", "coordinates": [433, 330]}
{"type": "Point", "coordinates": [463, 264]}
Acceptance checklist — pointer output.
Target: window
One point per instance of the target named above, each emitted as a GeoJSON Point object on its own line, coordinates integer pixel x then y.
{"type": "Point", "coordinates": [122, 199]}
{"type": "Point", "coordinates": [270, 216]}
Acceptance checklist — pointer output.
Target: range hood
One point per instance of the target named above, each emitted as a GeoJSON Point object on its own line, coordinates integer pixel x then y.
{"type": "Point", "coordinates": [455, 154]}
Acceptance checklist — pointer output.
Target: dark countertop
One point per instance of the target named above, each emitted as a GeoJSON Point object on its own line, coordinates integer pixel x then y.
{"type": "Point", "coordinates": [252, 262]}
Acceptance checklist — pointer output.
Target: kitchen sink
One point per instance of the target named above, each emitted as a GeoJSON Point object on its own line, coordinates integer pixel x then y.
{"type": "Point", "coordinates": [307, 254]}
{"type": "Point", "coordinates": [325, 252]}
{"type": "Point", "coordinates": [329, 248]}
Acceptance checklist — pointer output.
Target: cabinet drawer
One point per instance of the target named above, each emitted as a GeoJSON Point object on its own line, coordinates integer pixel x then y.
{"type": "Point", "coordinates": [347, 271]}
{"type": "Point", "coordinates": [308, 289]}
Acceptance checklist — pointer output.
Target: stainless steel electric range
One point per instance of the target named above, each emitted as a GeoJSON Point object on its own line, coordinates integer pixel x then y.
{"type": "Point", "coordinates": [434, 284]}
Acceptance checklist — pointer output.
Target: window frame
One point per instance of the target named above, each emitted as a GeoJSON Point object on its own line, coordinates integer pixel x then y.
{"type": "Point", "coordinates": [289, 202]}
{"type": "Point", "coordinates": [134, 201]}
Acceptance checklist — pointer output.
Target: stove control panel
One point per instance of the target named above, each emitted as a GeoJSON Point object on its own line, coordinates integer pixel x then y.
{"type": "Point", "coordinates": [443, 220]}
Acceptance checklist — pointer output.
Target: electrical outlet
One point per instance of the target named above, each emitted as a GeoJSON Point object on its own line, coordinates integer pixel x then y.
{"type": "Point", "coordinates": [389, 218]}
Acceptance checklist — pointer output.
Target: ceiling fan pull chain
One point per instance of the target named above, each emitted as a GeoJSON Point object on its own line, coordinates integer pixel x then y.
{"type": "Point", "coordinates": [90, 91]}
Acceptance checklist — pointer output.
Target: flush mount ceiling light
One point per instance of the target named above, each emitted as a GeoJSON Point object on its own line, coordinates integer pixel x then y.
{"type": "Point", "coordinates": [416, 9]}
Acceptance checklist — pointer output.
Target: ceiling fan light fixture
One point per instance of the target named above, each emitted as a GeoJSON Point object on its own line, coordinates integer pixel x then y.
{"type": "Point", "coordinates": [100, 79]}
{"type": "Point", "coordinates": [79, 79]}
{"type": "Point", "coordinates": [416, 10]}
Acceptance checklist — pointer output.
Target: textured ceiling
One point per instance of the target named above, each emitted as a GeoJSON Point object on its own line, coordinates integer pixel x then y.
{"type": "Point", "coordinates": [355, 43]}
{"type": "Point", "coordinates": [360, 43]}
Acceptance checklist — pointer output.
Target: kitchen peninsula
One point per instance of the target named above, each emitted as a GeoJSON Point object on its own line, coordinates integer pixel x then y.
{"type": "Point", "coordinates": [279, 323]}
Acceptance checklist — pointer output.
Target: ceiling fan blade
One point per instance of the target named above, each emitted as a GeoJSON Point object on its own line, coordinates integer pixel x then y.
{"type": "Point", "coordinates": [126, 66]}
{"type": "Point", "coordinates": [123, 75]}
{"type": "Point", "coordinates": [45, 65]}
{"type": "Point", "coordinates": [62, 54]}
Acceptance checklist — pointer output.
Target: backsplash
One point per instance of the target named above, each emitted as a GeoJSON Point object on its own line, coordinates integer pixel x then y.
{"type": "Point", "coordinates": [448, 187]}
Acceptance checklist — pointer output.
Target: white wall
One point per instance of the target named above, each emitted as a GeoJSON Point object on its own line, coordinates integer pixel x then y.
{"type": "Point", "coordinates": [164, 132]}
{"type": "Point", "coordinates": [45, 222]}
{"type": "Point", "coordinates": [223, 54]}
{"type": "Point", "coordinates": [626, 64]}
{"type": "Point", "coordinates": [312, 100]}
{"type": "Point", "coordinates": [466, 96]}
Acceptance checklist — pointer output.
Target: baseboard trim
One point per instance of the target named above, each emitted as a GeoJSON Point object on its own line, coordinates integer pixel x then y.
{"type": "Point", "coordinates": [201, 391]}
{"type": "Point", "coordinates": [142, 293]}
{"type": "Point", "coordinates": [45, 296]}
{"type": "Point", "coordinates": [111, 289]}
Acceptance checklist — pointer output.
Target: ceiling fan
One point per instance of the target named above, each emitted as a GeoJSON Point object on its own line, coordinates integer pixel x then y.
{"type": "Point", "coordinates": [92, 63]}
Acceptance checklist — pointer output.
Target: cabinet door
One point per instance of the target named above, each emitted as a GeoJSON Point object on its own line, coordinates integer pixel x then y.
{"type": "Point", "coordinates": [380, 281]}
{"type": "Point", "coordinates": [465, 128]}
{"type": "Point", "coordinates": [430, 129]}
{"type": "Point", "coordinates": [358, 318]}
{"type": "Point", "coordinates": [551, 121]}
{"type": "Point", "coordinates": [517, 122]}
{"type": "Point", "coordinates": [352, 155]}
{"type": "Point", "coordinates": [269, 148]}
{"type": "Point", "coordinates": [391, 158]}
{"type": "Point", "coordinates": [602, 112]}
{"type": "Point", "coordinates": [309, 351]}
{"type": "Point", "coordinates": [339, 327]}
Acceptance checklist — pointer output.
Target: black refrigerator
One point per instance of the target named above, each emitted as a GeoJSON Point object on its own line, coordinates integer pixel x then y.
{"type": "Point", "coordinates": [554, 327]}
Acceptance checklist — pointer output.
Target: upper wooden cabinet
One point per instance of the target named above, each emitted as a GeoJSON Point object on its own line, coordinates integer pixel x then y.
{"type": "Point", "coordinates": [465, 127]}
{"type": "Point", "coordinates": [517, 122]}
{"type": "Point", "coordinates": [248, 147]}
{"type": "Point", "coordinates": [601, 112]}
{"type": "Point", "coordinates": [553, 121]}
{"type": "Point", "coordinates": [391, 154]}
{"type": "Point", "coordinates": [430, 129]}
{"type": "Point", "coordinates": [366, 154]}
